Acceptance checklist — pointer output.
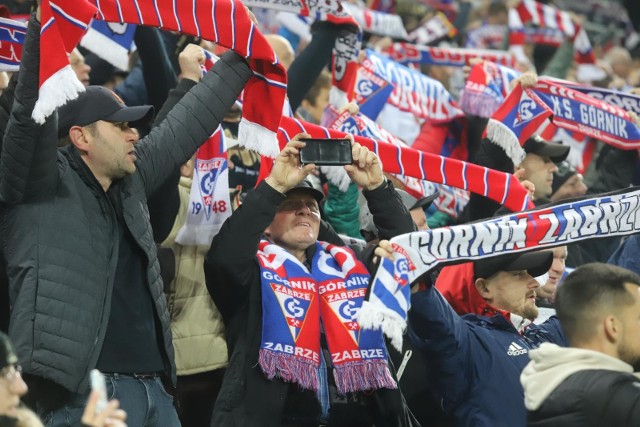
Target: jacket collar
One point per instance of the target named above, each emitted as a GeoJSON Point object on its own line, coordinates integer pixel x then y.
{"type": "Point", "coordinates": [82, 169]}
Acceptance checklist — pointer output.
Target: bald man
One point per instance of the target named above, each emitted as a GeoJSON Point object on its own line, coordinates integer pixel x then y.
{"type": "Point", "coordinates": [282, 48]}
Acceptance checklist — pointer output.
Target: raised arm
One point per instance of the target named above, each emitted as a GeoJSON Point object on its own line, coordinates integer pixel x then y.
{"type": "Point", "coordinates": [443, 338]}
{"type": "Point", "coordinates": [230, 266]}
{"type": "Point", "coordinates": [28, 163]}
{"type": "Point", "coordinates": [192, 121]}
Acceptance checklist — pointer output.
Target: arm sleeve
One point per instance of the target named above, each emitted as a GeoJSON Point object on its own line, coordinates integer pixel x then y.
{"type": "Point", "coordinates": [341, 210]}
{"type": "Point", "coordinates": [165, 202]}
{"type": "Point", "coordinates": [307, 66]}
{"type": "Point", "coordinates": [390, 216]}
{"type": "Point", "coordinates": [191, 122]}
{"type": "Point", "coordinates": [230, 266]}
{"type": "Point", "coordinates": [28, 164]}
{"type": "Point", "coordinates": [444, 339]}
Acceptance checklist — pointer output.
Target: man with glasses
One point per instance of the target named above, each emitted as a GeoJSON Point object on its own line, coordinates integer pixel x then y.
{"type": "Point", "coordinates": [12, 387]}
{"type": "Point", "coordinates": [298, 357]}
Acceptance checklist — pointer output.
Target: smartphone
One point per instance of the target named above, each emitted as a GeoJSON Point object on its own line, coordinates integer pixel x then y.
{"type": "Point", "coordinates": [98, 383]}
{"type": "Point", "coordinates": [326, 151]}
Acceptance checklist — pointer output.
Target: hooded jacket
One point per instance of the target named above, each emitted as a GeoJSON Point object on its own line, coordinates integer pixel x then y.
{"type": "Point", "coordinates": [475, 361]}
{"type": "Point", "coordinates": [566, 387]}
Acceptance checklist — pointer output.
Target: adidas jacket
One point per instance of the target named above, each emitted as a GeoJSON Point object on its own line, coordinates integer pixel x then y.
{"type": "Point", "coordinates": [475, 361]}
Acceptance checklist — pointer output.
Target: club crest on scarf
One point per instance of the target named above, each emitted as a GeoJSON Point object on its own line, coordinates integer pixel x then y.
{"type": "Point", "coordinates": [209, 201]}
{"type": "Point", "coordinates": [295, 302]}
{"type": "Point", "coordinates": [613, 214]}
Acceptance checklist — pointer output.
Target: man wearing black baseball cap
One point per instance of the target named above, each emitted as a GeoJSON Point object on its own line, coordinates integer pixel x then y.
{"type": "Point", "coordinates": [268, 251]}
{"type": "Point", "coordinates": [417, 207]}
{"type": "Point", "coordinates": [475, 360]}
{"type": "Point", "coordinates": [540, 163]}
{"type": "Point", "coordinates": [83, 269]}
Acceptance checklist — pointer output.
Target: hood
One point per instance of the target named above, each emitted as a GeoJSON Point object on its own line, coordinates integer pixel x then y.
{"type": "Point", "coordinates": [550, 365]}
{"type": "Point", "coordinates": [457, 286]}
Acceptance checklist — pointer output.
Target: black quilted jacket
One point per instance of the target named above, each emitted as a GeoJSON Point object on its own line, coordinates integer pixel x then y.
{"type": "Point", "coordinates": [59, 228]}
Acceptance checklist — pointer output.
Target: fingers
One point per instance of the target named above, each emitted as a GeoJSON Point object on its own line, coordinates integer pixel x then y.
{"type": "Point", "coordinates": [362, 156]}
{"type": "Point", "coordinates": [520, 174]}
{"type": "Point", "coordinates": [384, 250]}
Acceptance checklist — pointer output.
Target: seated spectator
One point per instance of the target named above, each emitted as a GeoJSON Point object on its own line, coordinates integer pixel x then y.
{"type": "Point", "coordinates": [475, 361]}
{"type": "Point", "coordinates": [13, 387]}
{"type": "Point", "coordinates": [297, 358]}
{"type": "Point", "coordinates": [590, 383]}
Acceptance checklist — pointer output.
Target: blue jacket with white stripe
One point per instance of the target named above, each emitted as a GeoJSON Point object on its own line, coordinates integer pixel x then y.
{"type": "Point", "coordinates": [475, 361]}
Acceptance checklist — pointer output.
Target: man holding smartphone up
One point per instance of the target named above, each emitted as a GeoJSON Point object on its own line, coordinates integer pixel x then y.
{"type": "Point", "coordinates": [289, 303]}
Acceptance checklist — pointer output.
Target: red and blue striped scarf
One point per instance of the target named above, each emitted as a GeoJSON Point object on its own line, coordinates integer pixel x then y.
{"type": "Point", "coordinates": [224, 22]}
{"type": "Point", "coordinates": [297, 301]}
{"type": "Point", "coordinates": [498, 186]}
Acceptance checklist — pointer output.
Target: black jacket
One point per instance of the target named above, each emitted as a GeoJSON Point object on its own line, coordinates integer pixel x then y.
{"type": "Point", "coordinates": [58, 226]}
{"type": "Point", "coordinates": [592, 398]}
{"type": "Point", "coordinates": [247, 397]}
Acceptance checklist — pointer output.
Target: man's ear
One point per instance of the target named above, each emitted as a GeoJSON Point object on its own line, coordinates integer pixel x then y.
{"type": "Point", "coordinates": [482, 285]}
{"type": "Point", "coordinates": [78, 138]}
{"type": "Point", "coordinates": [612, 328]}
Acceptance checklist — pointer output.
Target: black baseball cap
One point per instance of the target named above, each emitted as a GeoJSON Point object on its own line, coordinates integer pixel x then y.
{"type": "Point", "coordinates": [411, 202]}
{"type": "Point", "coordinates": [556, 152]}
{"type": "Point", "coordinates": [536, 264]}
{"type": "Point", "coordinates": [305, 186]}
{"type": "Point", "coordinates": [99, 103]}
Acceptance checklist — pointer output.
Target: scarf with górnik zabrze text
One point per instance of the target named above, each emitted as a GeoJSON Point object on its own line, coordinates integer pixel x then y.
{"type": "Point", "coordinates": [296, 299]}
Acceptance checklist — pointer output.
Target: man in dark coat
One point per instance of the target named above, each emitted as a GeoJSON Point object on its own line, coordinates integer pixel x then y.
{"type": "Point", "coordinates": [590, 383]}
{"type": "Point", "coordinates": [85, 284]}
{"type": "Point", "coordinates": [280, 372]}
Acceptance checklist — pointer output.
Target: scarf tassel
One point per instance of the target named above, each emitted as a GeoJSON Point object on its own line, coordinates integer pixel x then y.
{"type": "Point", "coordinates": [289, 368]}
{"type": "Point", "coordinates": [503, 137]}
{"type": "Point", "coordinates": [57, 90]}
{"type": "Point", "coordinates": [366, 375]}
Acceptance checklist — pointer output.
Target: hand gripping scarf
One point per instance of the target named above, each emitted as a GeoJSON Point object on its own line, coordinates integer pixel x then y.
{"type": "Point", "coordinates": [347, 44]}
{"type": "Point", "coordinates": [224, 22]}
{"type": "Point", "coordinates": [606, 215]}
{"type": "Point", "coordinates": [498, 186]}
{"type": "Point", "coordinates": [525, 110]}
{"type": "Point", "coordinates": [296, 301]}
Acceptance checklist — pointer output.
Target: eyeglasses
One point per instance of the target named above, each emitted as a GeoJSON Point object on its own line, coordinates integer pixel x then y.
{"type": "Point", "coordinates": [11, 372]}
{"type": "Point", "coordinates": [296, 204]}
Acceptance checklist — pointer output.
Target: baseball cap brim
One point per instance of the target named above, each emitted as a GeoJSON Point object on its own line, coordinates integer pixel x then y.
{"type": "Point", "coordinates": [535, 263]}
{"type": "Point", "coordinates": [556, 152]}
{"type": "Point", "coordinates": [134, 116]}
{"type": "Point", "coordinates": [306, 187]}
{"type": "Point", "coordinates": [411, 202]}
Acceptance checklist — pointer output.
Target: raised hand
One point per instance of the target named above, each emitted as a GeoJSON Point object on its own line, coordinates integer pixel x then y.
{"type": "Point", "coordinates": [287, 170]}
{"type": "Point", "coordinates": [365, 170]}
{"type": "Point", "coordinates": [190, 59]}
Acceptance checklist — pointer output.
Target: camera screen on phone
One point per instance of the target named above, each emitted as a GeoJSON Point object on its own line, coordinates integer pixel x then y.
{"type": "Point", "coordinates": [328, 152]}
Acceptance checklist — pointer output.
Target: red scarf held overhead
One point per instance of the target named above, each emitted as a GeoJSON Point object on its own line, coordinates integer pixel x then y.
{"type": "Point", "coordinates": [224, 22]}
{"type": "Point", "coordinates": [498, 186]}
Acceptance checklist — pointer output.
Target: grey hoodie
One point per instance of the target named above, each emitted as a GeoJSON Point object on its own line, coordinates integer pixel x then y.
{"type": "Point", "coordinates": [550, 365]}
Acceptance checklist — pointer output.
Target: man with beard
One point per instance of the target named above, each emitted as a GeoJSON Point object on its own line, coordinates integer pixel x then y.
{"type": "Point", "coordinates": [590, 383]}
{"type": "Point", "coordinates": [474, 361]}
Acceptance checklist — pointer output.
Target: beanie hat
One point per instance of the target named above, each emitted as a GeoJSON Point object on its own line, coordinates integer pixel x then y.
{"type": "Point", "coordinates": [565, 171]}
